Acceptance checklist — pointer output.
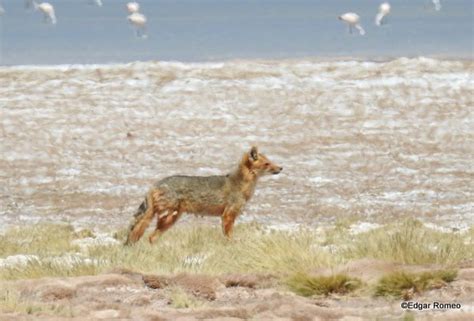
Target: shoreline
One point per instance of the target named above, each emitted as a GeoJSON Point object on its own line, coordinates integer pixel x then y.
{"type": "Point", "coordinates": [210, 62]}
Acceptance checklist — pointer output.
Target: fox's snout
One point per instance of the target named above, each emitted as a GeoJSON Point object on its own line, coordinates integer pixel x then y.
{"type": "Point", "coordinates": [277, 170]}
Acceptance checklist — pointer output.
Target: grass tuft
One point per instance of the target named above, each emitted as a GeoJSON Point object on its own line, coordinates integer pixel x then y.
{"type": "Point", "coordinates": [37, 268]}
{"type": "Point", "coordinates": [12, 302]}
{"type": "Point", "coordinates": [180, 299]}
{"type": "Point", "coordinates": [409, 242]}
{"type": "Point", "coordinates": [406, 285]}
{"type": "Point", "coordinates": [54, 239]}
{"type": "Point", "coordinates": [306, 285]}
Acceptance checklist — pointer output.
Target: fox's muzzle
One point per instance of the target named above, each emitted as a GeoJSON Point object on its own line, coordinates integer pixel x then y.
{"type": "Point", "coordinates": [277, 171]}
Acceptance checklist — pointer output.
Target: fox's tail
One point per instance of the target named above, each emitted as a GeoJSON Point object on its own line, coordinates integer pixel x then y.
{"type": "Point", "coordinates": [142, 219]}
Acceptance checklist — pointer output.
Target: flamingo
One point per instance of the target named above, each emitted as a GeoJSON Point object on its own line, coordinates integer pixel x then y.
{"type": "Point", "coordinates": [96, 2]}
{"type": "Point", "coordinates": [437, 4]}
{"type": "Point", "coordinates": [352, 20]}
{"type": "Point", "coordinates": [384, 10]}
{"type": "Point", "coordinates": [133, 7]}
{"type": "Point", "coordinates": [48, 11]}
{"type": "Point", "coordinates": [139, 22]}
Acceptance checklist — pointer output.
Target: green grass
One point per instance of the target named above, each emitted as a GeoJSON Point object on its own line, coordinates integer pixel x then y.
{"type": "Point", "coordinates": [306, 285]}
{"type": "Point", "coordinates": [405, 285]}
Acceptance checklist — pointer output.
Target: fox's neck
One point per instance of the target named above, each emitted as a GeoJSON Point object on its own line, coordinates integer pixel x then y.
{"type": "Point", "coordinates": [244, 178]}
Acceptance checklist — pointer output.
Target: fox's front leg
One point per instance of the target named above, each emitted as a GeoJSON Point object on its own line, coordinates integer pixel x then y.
{"type": "Point", "coordinates": [228, 219]}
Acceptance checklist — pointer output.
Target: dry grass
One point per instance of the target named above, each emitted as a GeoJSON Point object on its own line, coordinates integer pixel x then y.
{"type": "Point", "coordinates": [44, 250]}
{"type": "Point", "coordinates": [38, 268]}
{"type": "Point", "coordinates": [199, 249]}
{"type": "Point", "coordinates": [307, 285]}
{"type": "Point", "coordinates": [180, 299]}
{"type": "Point", "coordinates": [12, 302]}
{"type": "Point", "coordinates": [408, 316]}
{"type": "Point", "coordinates": [410, 242]}
{"type": "Point", "coordinates": [203, 249]}
{"type": "Point", "coordinates": [53, 239]}
{"type": "Point", "coordinates": [406, 285]}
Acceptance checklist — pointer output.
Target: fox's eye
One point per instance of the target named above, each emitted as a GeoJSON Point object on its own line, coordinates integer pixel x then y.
{"type": "Point", "coordinates": [267, 164]}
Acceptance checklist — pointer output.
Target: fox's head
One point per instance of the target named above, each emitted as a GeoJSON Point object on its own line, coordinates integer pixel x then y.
{"type": "Point", "coordinates": [261, 165]}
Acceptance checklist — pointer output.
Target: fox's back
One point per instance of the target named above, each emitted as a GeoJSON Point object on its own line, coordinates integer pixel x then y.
{"type": "Point", "coordinates": [188, 184]}
{"type": "Point", "coordinates": [198, 194]}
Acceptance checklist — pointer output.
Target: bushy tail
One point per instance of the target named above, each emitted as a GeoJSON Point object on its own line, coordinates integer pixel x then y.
{"type": "Point", "coordinates": [142, 219]}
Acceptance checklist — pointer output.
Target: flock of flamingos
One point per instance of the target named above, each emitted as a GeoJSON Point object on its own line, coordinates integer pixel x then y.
{"type": "Point", "coordinates": [138, 20]}
{"type": "Point", "coordinates": [352, 19]}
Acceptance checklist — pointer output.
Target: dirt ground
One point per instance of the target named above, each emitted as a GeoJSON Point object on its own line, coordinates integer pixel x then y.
{"type": "Point", "coordinates": [125, 295]}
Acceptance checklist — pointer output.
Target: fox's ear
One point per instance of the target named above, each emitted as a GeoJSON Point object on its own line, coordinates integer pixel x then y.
{"type": "Point", "coordinates": [254, 153]}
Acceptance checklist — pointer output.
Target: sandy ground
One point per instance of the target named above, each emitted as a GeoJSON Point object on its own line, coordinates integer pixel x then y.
{"type": "Point", "coordinates": [124, 295]}
{"type": "Point", "coordinates": [83, 144]}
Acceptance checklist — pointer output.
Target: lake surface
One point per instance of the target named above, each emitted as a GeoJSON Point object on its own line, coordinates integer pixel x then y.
{"type": "Point", "coordinates": [213, 30]}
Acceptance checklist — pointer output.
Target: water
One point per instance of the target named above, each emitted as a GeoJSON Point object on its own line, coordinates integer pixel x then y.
{"type": "Point", "coordinates": [379, 141]}
{"type": "Point", "coordinates": [212, 30]}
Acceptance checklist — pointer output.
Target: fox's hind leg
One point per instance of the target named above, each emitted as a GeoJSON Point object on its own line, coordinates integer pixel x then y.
{"type": "Point", "coordinates": [165, 222]}
{"type": "Point", "coordinates": [144, 216]}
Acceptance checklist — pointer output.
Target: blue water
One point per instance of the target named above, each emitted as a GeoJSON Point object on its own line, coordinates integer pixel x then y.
{"type": "Point", "coordinates": [206, 30]}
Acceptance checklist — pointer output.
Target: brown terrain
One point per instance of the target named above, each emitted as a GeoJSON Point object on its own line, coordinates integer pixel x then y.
{"type": "Point", "coordinates": [125, 295]}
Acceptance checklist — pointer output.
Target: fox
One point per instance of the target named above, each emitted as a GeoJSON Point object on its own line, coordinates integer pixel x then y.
{"type": "Point", "coordinates": [217, 195]}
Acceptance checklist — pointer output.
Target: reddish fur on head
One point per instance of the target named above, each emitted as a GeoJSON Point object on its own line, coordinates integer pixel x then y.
{"type": "Point", "coordinates": [258, 164]}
